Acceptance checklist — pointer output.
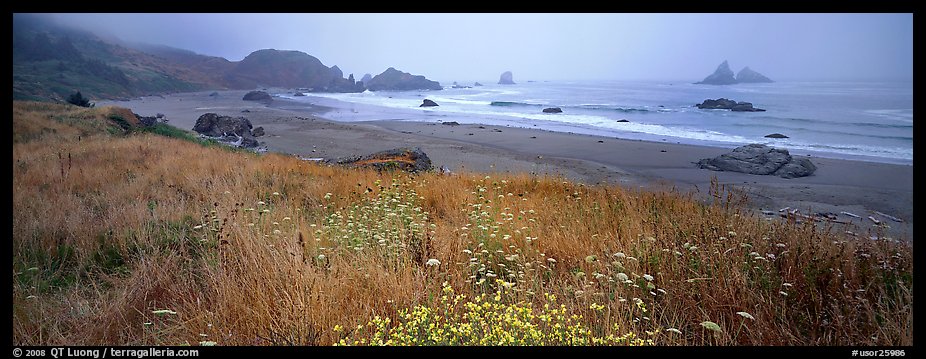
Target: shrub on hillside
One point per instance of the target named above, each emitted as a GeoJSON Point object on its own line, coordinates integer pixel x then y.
{"type": "Point", "coordinates": [79, 100]}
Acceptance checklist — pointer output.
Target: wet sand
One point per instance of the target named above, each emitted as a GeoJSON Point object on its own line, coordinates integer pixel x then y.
{"type": "Point", "coordinates": [291, 127]}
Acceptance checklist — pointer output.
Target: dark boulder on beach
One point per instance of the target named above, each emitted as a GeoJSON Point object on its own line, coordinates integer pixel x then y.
{"type": "Point", "coordinates": [214, 94]}
{"type": "Point", "coordinates": [410, 159]}
{"type": "Point", "coordinates": [721, 76]}
{"type": "Point", "coordinates": [226, 129]}
{"type": "Point", "coordinates": [257, 131]}
{"type": "Point", "coordinates": [622, 120]}
{"type": "Point", "coordinates": [428, 103]}
{"type": "Point", "coordinates": [747, 75]}
{"type": "Point", "coordinates": [552, 110]}
{"type": "Point", "coordinates": [451, 123]}
{"type": "Point", "coordinates": [776, 135]}
{"type": "Point", "coordinates": [298, 94]}
{"type": "Point", "coordinates": [726, 104]}
{"type": "Point", "coordinates": [259, 96]}
{"type": "Point", "coordinates": [506, 78]}
{"type": "Point", "coordinates": [395, 80]}
{"type": "Point", "coordinates": [760, 159]}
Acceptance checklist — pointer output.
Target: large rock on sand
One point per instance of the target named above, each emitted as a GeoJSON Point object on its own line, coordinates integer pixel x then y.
{"type": "Point", "coordinates": [226, 129]}
{"type": "Point", "coordinates": [506, 78]}
{"type": "Point", "coordinates": [411, 159]}
{"type": "Point", "coordinates": [428, 103]}
{"type": "Point", "coordinates": [259, 96]}
{"type": "Point", "coordinates": [760, 159]}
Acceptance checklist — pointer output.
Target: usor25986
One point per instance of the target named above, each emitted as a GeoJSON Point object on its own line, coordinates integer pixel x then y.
{"type": "Point", "coordinates": [882, 353]}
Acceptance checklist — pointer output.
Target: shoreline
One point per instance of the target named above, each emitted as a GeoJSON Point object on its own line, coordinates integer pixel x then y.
{"type": "Point", "coordinates": [293, 127]}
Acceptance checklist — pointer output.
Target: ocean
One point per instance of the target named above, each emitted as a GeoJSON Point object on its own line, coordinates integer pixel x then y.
{"type": "Point", "coordinates": [871, 121]}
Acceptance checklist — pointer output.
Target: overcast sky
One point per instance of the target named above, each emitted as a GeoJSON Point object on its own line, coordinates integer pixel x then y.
{"type": "Point", "coordinates": [478, 47]}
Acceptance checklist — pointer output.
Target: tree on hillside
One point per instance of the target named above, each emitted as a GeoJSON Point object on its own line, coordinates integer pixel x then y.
{"type": "Point", "coordinates": [79, 100]}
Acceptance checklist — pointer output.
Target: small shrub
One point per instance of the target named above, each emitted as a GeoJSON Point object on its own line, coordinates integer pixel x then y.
{"type": "Point", "coordinates": [79, 100]}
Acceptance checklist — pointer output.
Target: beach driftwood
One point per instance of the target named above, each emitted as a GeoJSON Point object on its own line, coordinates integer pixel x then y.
{"type": "Point", "coordinates": [895, 219]}
{"type": "Point", "coordinates": [853, 215]}
{"type": "Point", "coordinates": [794, 214]}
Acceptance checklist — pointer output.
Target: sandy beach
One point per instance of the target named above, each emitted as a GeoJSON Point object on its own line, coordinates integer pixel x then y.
{"type": "Point", "coordinates": [294, 128]}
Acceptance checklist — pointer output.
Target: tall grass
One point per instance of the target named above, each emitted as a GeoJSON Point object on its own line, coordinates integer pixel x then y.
{"type": "Point", "coordinates": [144, 239]}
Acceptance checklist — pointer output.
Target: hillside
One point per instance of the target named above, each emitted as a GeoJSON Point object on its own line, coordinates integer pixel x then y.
{"type": "Point", "coordinates": [51, 62]}
{"type": "Point", "coordinates": [125, 236]}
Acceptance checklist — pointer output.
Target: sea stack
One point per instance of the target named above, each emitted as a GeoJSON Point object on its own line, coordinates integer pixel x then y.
{"type": "Point", "coordinates": [722, 76]}
{"type": "Point", "coordinates": [507, 78]}
{"type": "Point", "coordinates": [395, 80]}
{"type": "Point", "coordinates": [366, 79]}
{"type": "Point", "coordinates": [747, 75]}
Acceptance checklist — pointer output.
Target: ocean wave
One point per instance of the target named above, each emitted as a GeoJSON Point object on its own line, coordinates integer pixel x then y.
{"type": "Point", "coordinates": [861, 124]}
{"type": "Point", "coordinates": [513, 103]}
{"type": "Point", "coordinates": [828, 132]}
{"type": "Point", "coordinates": [874, 151]}
{"type": "Point", "coordinates": [611, 108]}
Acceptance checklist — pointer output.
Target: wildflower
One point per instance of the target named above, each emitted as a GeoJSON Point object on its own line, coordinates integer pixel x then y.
{"type": "Point", "coordinates": [746, 315]}
{"type": "Point", "coordinates": [551, 260]}
{"type": "Point", "coordinates": [648, 277]}
{"type": "Point", "coordinates": [260, 203]}
{"type": "Point", "coordinates": [590, 258]}
{"type": "Point", "coordinates": [433, 262]}
{"type": "Point", "coordinates": [198, 226]}
{"type": "Point", "coordinates": [673, 330]}
{"type": "Point", "coordinates": [328, 195]}
{"type": "Point", "coordinates": [277, 231]}
{"type": "Point", "coordinates": [287, 219]}
{"type": "Point", "coordinates": [787, 284]}
{"type": "Point", "coordinates": [321, 257]}
{"type": "Point", "coordinates": [622, 277]}
{"type": "Point", "coordinates": [208, 343]}
{"type": "Point", "coordinates": [783, 293]}
{"type": "Point", "coordinates": [711, 325]}
{"type": "Point", "coordinates": [620, 255]}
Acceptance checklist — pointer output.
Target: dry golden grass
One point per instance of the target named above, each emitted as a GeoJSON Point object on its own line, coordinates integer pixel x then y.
{"type": "Point", "coordinates": [249, 249]}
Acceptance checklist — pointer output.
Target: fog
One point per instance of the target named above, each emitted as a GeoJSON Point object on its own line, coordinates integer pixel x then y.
{"type": "Point", "coordinates": [478, 47]}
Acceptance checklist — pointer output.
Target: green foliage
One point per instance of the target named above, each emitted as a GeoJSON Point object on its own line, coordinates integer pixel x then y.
{"type": "Point", "coordinates": [78, 99]}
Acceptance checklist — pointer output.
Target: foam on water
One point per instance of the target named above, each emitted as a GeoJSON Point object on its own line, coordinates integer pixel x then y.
{"type": "Point", "coordinates": [834, 119]}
